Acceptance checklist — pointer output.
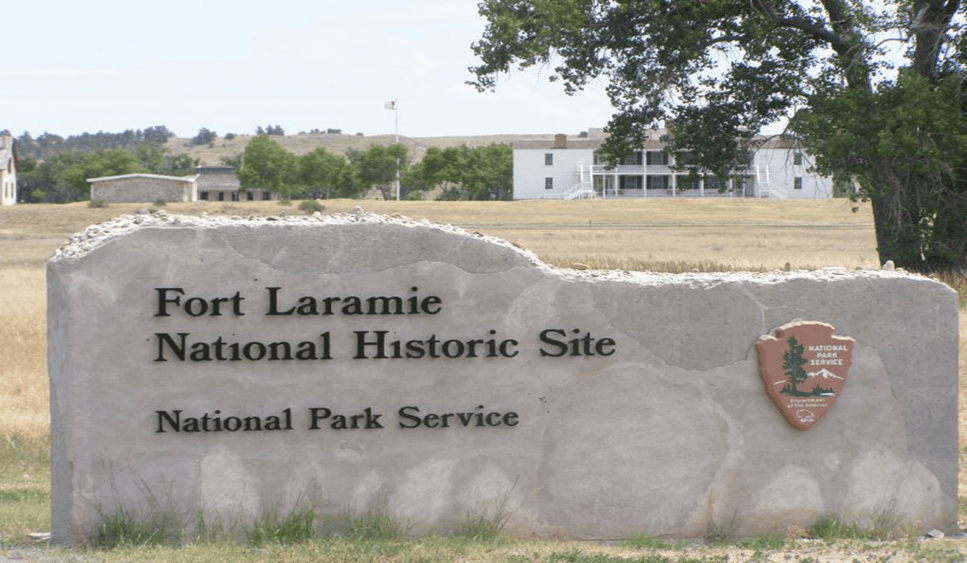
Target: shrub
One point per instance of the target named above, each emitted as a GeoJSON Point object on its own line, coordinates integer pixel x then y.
{"type": "Point", "coordinates": [311, 206]}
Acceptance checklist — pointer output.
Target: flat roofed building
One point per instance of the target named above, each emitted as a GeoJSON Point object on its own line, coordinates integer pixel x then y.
{"type": "Point", "coordinates": [569, 168]}
{"type": "Point", "coordinates": [219, 183]}
{"type": "Point", "coordinates": [144, 188]}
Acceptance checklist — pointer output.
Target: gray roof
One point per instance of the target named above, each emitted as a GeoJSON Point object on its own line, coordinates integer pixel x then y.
{"type": "Point", "coordinates": [187, 179]}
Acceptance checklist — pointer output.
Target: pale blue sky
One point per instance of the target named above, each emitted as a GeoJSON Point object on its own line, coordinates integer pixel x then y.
{"type": "Point", "coordinates": [72, 66]}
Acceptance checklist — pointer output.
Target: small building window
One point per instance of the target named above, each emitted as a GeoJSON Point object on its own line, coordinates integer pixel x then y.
{"type": "Point", "coordinates": [548, 159]}
{"type": "Point", "coordinates": [797, 183]}
{"type": "Point", "coordinates": [797, 158]}
{"type": "Point", "coordinates": [548, 183]}
{"type": "Point", "coordinates": [662, 182]}
{"type": "Point", "coordinates": [633, 159]}
{"type": "Point", "coordinates": [629, 182]}
{"type": "Point", "coordinates": [657, 158]}
{"type": "Point", "coordinates": [266, 195]}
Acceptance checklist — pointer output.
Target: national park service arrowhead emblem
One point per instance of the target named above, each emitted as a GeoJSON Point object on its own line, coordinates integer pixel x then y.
{"type": "Point", "coordinates": [804, 369]}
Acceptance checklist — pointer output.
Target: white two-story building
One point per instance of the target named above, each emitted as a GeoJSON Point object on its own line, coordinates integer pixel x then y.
{"type": "Point", "coordinates": [8, 171]}
{"type": "Point", "coordinates": [569, 168]}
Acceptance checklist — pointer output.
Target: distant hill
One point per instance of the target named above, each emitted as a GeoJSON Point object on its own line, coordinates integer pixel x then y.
{"type": "Point", "coordinates": [334, 142]}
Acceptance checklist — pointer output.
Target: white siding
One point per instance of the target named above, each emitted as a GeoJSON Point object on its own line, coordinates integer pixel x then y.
{"type": "Point", "coordinates": [530, 172]}
{"type": "Point", "coordinates": [8, 172]}
{"type": "Point", "coordinates": [782, 174]}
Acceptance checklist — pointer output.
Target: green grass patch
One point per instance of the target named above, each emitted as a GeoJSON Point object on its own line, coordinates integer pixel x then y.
{"type": "Point", "coordinates": [375, 524]}
{"type": "Point", "coordinates": [763, 543]}
{"type": "Point", "coordinates": [24, 487]}
{"type": "Point", "coordinates": [275, 527]}
{"type": "Point", "coordinates": [830, 528]}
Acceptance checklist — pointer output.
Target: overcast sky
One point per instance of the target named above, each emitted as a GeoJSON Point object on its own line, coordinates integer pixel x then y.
{"type": "Point", "coordinates": [108, 65]}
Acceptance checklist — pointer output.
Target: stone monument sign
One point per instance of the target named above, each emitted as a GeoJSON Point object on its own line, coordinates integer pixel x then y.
{"type": "Point", "coordinates": [357, 362]}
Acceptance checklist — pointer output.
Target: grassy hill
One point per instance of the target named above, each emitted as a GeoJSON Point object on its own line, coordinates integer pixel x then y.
{"type": "Point", "coordinates": [337, 143]}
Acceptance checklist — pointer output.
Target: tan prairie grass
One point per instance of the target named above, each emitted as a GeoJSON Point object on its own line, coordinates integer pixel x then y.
{"type": "Point", "coordinates": [722, 233]}
{"type": "Point", "coordinates": [23, 354]}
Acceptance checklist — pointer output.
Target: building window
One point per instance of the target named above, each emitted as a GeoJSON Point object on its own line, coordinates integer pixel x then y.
{"type": "Point", "coordinates": [266, 196]}
{"type": "Point", "coordinates": [797, 158]}
{"type": "Point", "coordinates": [658, 182]}
{"type": "Point", "coordinates": [629, 182]}
{"type": "Point", "coordinates": [657, 158]}
{"type": "Point", "coordinates": [633, 159]}
{"type": "Point", "coordinates": [797, 183]}
{"type": "Point", "coordinates": [548, 159]}
{"type": "Point", "coordinates": [548, 183]}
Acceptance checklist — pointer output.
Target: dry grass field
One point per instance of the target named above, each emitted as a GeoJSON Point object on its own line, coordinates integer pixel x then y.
{"type": "Point", "coordinates": [657, 235]}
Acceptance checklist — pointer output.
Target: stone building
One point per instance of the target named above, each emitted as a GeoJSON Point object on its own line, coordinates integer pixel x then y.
{"type": "Point", "coordinates": [8, 171]}
{"type": "Point", "coordinates": [219, 183]}
{"type": "Point", "coordinates": [144, 188]}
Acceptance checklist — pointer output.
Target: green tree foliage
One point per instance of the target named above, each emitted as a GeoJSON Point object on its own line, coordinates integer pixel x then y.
{"type": "Point", "coordinates": [378, 166]}
{"type": "Point", "coordinates": [46, 182]}
{"type": "Point", "coordinates": [48, 144]}
{"type": "Point", "coordinates": [266, 165]}
{"type": "Point", "coordinates": [63, 177]}
{"type": "Point", "coordinates": [157, 160]}
{"type": "Point", "coordinates": [54, 169]}
{"type": "Point", "coordinates": [488, 172]}
{"type": "Point", "coordinates": [235, 161]}
{"type": "Point", "coordinates": [463, 173]}
{"type": "Point", "coordinates": [204, 137]}
{"type": "Point", "coordinates": [439, 168]}
{"type": "Point", "coordinates": [97, 164]}
{"type": "Point", "coordinates": [324, 175]}
{"type": "Point", "coordinates": [715, 72]}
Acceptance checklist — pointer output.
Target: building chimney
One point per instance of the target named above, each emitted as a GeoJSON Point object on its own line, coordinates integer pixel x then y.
{"type": "Point", "coordinates": [560, 141]}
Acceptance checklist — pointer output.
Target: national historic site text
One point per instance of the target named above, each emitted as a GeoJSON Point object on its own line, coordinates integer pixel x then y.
{"type": "Point", "coordinates": [370, 344]}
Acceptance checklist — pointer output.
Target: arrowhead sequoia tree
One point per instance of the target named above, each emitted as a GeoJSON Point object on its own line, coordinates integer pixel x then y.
{"type": "Point", "coordinates": [874, 91]}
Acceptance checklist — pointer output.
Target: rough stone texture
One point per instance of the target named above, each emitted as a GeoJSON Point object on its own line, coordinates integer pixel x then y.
{"type": "Point", "coordinates": [144, 188]}
{"type": "Point", "coordinates": [670, 435]}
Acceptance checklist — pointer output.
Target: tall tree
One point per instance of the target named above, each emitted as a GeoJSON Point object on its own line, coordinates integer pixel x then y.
{"type": "Point", "coordinates": [488, 172]}
{"type": "Point", "coordinates": [716, 72]}
{"type": "Point", "coordinates": [266, 165]}
{"type": "Point", "coordinates": [326, 175]}
{"type": "Point", "coordinates": [204, 136]}
{"type": "Point", "coordinates": [438, 168]}
{"type": "Point", "coordinates": [379, 167]}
